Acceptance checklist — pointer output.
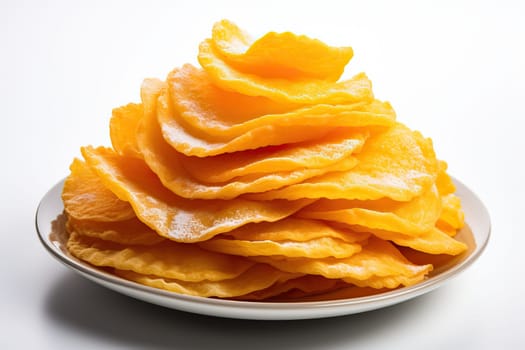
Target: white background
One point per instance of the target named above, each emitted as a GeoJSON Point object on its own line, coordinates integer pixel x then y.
{"type": "Point", "coordinates": [454, 70]}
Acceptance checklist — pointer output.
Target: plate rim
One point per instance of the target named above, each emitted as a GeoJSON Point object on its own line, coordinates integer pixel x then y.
{"type": "Point", "coordinates": [257, 310]}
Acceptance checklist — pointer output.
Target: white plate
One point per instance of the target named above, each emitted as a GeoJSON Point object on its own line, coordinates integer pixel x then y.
{"type": "Point", "coordinates": [476, 216]}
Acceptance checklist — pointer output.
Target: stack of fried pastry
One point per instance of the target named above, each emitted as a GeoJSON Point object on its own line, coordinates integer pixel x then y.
{"type": "Point", "coordinates": [260, 175]}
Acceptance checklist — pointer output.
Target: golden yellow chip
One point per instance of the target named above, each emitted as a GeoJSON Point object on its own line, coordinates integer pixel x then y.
{"type": "Point", "coordinates": [149, 93]}
{"type": "Point", "coordinates": [288, 237]}
{"type": "Point", "coordinates": [185, 262]}
{"type": "Point", "coordinates": [444, 182]}
{"type": "Point", "coordinates": [122, 129]}
{"type": "Point", "coordinates": [218, 112]}
{"type": "Point", "coordinates": [411, 218]}
{"type": "Point", "coordinates": [316, 248]}
{"type": "Point", "coordinates": [306, 155]}
{"type": "Point", "coordinates": [226, 114]}
{"type": "Point", "coordinates": [131, 231]}
{"type": "Point", "coordinates": [266, 57]}
{"type": "Point", "coordinates": [389, 282]}
{"type": "Point", "coordinates": [172, 216]}
{"type": "Point", "coordinates": [168, 164]}
{"type": "Point", "coordinates": [281, 90]}
{"type": "Point", "coordinates": [397, 163]}
{"type": "Point", "coordinates": [86, 198]}
{"type": "Point", "coordinates": [297, 230]}
{"type": "Point", "coordinates": [452, 217]}
{"type": "Point", "coordinates": [452, 214]}
{"type": "Point", "coordinates": [193, 143]}
{"type": "Point", "coordinates": [433, 241]}
{"type": "Point", "coordinates": [307, 285]}
{"type": "Point", "coordinates": [199, 119]}
{"type": "Point", "coordinates": [258, 277]}
{"type": "Point", "coordinates": [377, 258]}
{"type": "Point", "coordinates": [446, 228]}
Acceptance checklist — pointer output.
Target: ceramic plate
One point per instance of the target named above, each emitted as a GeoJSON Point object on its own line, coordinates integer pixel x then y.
{"type": "Point", "coordinates": [476, 234]}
